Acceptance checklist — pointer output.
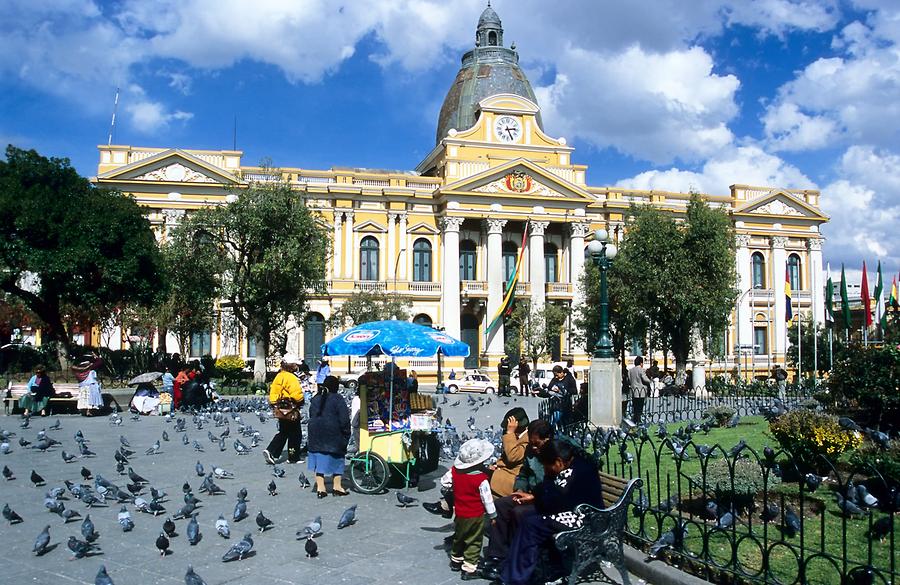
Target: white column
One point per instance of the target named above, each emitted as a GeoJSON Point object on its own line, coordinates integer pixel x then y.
{"type": "Point", "coordinates": [778, 271]}
{"type": "Point", "coordinates": [404, 247]}
{"type": "Point", "coordinates": [349, 264]}
{"type": "Point", "coordinates": [392, 263]}
{"type": "Point", "coordinates": [743, 316]}
{"type": "Point", "coordinates": [450, 308]}
{"type": "Point", "coordinates": [816, 279]}
{"type": "Point", "coordinates": [538, 275]}
{"type": "Point", "coordinates": [577, 233]}
{"type": "Point", "coordinates": [337, 264]}
{"type": "Point", "coordinates": [494, 227]}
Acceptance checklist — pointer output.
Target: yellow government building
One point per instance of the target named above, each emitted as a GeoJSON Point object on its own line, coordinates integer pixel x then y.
{"type": "Point", "coordinates": [447, 234]}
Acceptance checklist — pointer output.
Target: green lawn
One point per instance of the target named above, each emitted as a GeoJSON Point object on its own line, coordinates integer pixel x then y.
{"type": "Point", "coordinates": [823, 526]}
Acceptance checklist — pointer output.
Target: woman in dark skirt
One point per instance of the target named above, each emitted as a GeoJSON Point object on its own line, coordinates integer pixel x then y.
{"type": "Point", "coordinates": [328, 432]}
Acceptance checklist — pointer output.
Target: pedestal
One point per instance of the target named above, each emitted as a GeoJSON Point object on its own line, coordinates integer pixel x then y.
{"type": "Point", "coordinates": [698, 378]}
{"type": "Point", "coordinates": [605, 393]}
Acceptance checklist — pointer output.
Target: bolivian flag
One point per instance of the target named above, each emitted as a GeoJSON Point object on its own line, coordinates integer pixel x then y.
{"type": "Point", "coordinates": [509, 298]}
{"type": "Point", "coordinates": [789, 309]}
{"type": "Point", "coordinates": [894, 301]}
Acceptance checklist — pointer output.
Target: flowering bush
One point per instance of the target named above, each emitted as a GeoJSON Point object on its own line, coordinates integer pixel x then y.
{"type": "Point", "coordinates": [738, 488]}
{"type": "Point", "coordinates": [230, 367]}
{"type": "Point", "coordinates": [807, 434]}
{"type": "Point", "coordinates": [884, 461]}
{"type": "Point", "coordinates": [722, 414]}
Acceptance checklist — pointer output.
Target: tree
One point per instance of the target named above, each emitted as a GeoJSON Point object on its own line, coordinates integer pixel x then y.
{"type": "Point", "coordinates": [363, 307]}
{"type": "Point", "coordinates": [672, 279]}
{"type": "Point", "coordinates": [535, 330]}
{"type": "Point", "coordinates": [273, 256]}
{"type": "Point", "coordinates": [68, 249]}
{"type": "Point", "coordinates": [821, 358]}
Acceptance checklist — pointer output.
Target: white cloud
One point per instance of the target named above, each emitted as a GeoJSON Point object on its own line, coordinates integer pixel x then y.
{"type": "Point", "coordinates": [790, 129]}
{"type": "Point", "coordinates": [151, 117]}
{"type": "Point", "coordinates": [655, 106]}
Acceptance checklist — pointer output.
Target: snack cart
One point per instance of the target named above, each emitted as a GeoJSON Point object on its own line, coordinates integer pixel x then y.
{"type": "Point", "coordinates": [392, 421]}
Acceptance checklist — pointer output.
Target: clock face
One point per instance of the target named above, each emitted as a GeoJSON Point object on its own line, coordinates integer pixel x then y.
{"type": "Point", "coordinates": [507, 129]}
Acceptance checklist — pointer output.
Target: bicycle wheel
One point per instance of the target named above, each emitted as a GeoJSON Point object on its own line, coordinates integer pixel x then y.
{"type": "Point", "coordinates": [369, 473]}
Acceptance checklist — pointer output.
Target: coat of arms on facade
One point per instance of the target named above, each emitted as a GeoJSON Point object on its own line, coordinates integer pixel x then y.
{"type": "Point", "coordinates": [518, 182]}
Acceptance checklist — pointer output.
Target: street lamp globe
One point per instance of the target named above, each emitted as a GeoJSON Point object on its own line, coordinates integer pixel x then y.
{"type": "Point", "coordinates": [611, 251]}
{"type": "Point", "coordinates": [595, 247]}
{"type": "Point", "coordinates": [601, 235]}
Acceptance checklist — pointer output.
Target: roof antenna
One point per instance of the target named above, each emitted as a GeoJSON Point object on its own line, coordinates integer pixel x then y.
{"type": "Point", "coordinates": [234, 135]}
{"type": "Point", "coordinates": [112, 125]}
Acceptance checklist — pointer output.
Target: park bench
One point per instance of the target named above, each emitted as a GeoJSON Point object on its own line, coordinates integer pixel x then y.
{"type": "Point", "coordinates": [15, 391]}
{"type": "Point", "coordinates": [600, 538]}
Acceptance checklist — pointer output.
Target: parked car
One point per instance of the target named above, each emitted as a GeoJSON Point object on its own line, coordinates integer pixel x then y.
{"type": "Point", "coordinates": [351, 379]}
{"type": "Point", "coordinates": [543, 375]}
{"type": "Point", "coordinates": [472, 382]}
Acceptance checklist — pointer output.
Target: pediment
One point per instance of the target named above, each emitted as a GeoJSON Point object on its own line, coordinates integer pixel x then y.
{"type": "Point", "coordinates": [423, 228]}
{"type": "Point", "coordinates": [521, 178]}
{"type": "Point", "coordinates": [369, 226]}
{"type": "Point", "coordinates": [780, 204]}
{"type": "Point", "coordinates": [172, 166]}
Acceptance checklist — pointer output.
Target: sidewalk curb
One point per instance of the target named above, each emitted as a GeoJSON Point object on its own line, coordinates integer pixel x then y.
{"type": "Point", "coordinates": [657, 572]}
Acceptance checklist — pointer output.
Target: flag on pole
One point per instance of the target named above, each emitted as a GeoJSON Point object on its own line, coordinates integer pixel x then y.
{"type": "Point", "coordinates": [845, 299]}
{"type": "Point", "coordinates": [829, 299]}
{"type": "Point", "coordinates": [893, 301]}
{"type": "Point", "coordinates": [509, 298]}
{"type": "Point", "coordinates": [789, 309]}
{"type": "Point", "coordinates": [880, 313]}
{"type": "Point", "coordinates": [866, 299]}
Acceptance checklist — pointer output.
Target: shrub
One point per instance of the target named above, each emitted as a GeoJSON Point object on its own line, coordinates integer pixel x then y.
{"type": "Point", "coordinates": [748, 481]}
{"type": "Point", "coordinates": [884, 461]}
{"type": "Point", "coordinates": [229, 367]}
{"type": "Point", "coordinates": [722, 414]}
{"type": "Point", "coordinates": [866, 378]}
{"type": "Point", "coordinates": [807, 435]}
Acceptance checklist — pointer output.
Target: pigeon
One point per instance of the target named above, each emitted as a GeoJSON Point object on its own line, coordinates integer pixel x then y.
{"type": "Point", "coordinates": [849, 424]}
{"type": "Point", "coordinates": [87, 529]}
{"type": "Point", "coordinates": [8, 475]}
{"type": "Point", "coordinates": [311, 530]}
{"type": "Point", "coordinates": [712, 509]}
{"type": "Point", "coordinates": [222, 473]}
{"type": "Point", "coordinates": [153, 450]}
{"type": "Point", "coordinates": [86, 473]}
{"type": "Point", "coordinates": [240, 511]}
{"type": "Point", "coordinates": [847, 506]}
{"type": "Point", "coordinates": [864, 497]}
{"type": "Point", "coordinates": [881, 528]}
{"type": "Point", "coordinates": [162, 544]}
{"type": "Point", "coordinates": [192, 578]}
{"type": "Point", "coordinates": [736, 450]}
{"type": "Point", "coordinates": [124, 441]}
{"type": "Point", "coordinates": [199, 469]}
{"type": "Point", "coordinates": [185, 511]}
{"type": "Point", "coordinates": [222, 527]}
{"type": "Point", "coordinates": [69, 515]}
{"type": "Point", "coordinates": [263, 522]}
{"type": "Point", "coordinates": [169, 528]}
{"type": "Point", "coordinates": [405, 500]}
{"type": "Point", "coordinates": [791, 522]}
{"type": "Point", "coordinates": [812, 481]}
{"type": "Point", "coordinates": [311, 548]}
{"type": "Point", "coordinates": [186, 487]}
{"type": "Point", "coordinates": [66, 457]}
{"type": "Point", "coordinates": [42, 541]}
{"type": "Point", "coordinates": [879, 438]}
{"type": "Point", "coordinates": [304, 481]}
{"type": "Point", "coordinates": [242, 494]}
{"type": "Point", "coordinates": [193, 531]}
{"type": "Point", "coordinates": [55, 426]}
{"type": "Point", "coordinates": [10, 515]}
{"type": "Point", "coordinates": [770, 512]}
{"type": "Point", "coordinates": [185, 440]}
{"type": "Point", "coordinates": [125, 520]}
{"type": "Point", "coordinates": [80, 548]}
{"type": "Point", "coordinates": [348, 517]}
{"type": "Point", "coordinates": [239, 550]}
{"type": "Point", "coordinates": [157, 495]}
{"type": "Point", "coordinates": [165, 436]}
{"type": "Point", "coordinates": [135, 478]}
{"type": "Point", "coordinates": [278, 471]}
{"type": "Point", "coordinates": [726, 520]}
{"type": "Point", "coordinates": [673, 538]}
{"type": "Point", "coordinates": [36, 479]}
{"type": "Point", "coordinates": [102, 577]}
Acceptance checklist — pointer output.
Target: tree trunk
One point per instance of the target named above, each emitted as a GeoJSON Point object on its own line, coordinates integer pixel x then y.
{"type": "Point", "coordinates": [163, 333]}
{"type": "Point", "coordinates": [259, 364]}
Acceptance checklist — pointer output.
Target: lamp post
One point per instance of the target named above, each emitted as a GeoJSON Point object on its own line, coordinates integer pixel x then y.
{"type": "Point", "coordinates": [602, 252]}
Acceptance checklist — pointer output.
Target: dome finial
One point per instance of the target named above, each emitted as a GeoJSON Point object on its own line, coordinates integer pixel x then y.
{"type": "Point", "coordinates": [490, 30]}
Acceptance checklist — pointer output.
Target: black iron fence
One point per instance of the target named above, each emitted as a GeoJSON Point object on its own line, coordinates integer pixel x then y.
{"type": "Point", "coordinates": [746, 511]}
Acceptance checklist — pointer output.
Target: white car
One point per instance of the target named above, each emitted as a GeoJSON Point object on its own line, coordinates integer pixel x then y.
{"type": "Point", "coordinates": [477, 382]}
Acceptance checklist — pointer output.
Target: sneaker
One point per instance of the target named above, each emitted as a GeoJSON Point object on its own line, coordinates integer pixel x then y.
{"type": "Point", "coordinates": [491, 573]}
{"type": "Point", "coordinates": [437, 509]}
{"type": "Point", "coordinates": [469, 576]}
{"type": "Point", "coordinates": [268, 457]}
{"type": "Point", "coordinates": [455, 566]}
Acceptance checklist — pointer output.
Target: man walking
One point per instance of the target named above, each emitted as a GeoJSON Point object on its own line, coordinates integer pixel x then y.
{"type": "Point", "coordinates": [504, 369]}
{"type": "Point", "coordinates": [640, 388]}
{"type": "Point", "coordinates": [524, 370]}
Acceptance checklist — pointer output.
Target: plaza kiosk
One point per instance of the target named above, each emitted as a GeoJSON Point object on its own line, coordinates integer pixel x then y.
{"type": "Point", "coordinates": [394, 424]}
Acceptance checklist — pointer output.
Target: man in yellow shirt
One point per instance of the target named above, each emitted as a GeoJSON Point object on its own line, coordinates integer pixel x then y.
{"type": "Point", "coordinates": [286, 385]}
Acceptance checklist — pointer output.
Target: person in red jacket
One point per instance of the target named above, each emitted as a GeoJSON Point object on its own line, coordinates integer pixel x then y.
{"type": "Point", "coordinates": [180, 380]}
{"type": "Point", "coordinates": [472, 500]}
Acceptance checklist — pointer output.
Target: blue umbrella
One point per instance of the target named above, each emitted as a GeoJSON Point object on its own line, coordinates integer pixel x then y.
{"type": "Point", "coordinates": [396, 339]}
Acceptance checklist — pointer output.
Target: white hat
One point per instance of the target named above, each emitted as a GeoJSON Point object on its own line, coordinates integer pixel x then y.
{"type": "Point", "coordinates": [473, 452]}
{"type": "Point", "coordinates": [289, 358]}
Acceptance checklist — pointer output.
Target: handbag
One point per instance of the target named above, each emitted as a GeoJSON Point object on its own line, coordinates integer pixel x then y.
{"type": "Point", "coordinates": [286, 409]}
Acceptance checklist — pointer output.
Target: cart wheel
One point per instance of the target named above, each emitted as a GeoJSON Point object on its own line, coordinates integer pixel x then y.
{"type": "Point", "coordinates": [453, 388]}
{"type": "Point", "coordinates": [369, 472]}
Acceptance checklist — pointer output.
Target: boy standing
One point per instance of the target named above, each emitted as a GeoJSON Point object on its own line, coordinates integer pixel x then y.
{"type": "Point", "coordinates": [472, 500]}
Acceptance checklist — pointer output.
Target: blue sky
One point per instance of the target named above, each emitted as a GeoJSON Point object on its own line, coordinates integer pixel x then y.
{"type": "Point", "coordinates": [662, 94]}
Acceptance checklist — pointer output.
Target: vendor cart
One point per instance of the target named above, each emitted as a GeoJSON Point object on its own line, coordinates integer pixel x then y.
{"type": "Point", "coordinates": [393, 423]}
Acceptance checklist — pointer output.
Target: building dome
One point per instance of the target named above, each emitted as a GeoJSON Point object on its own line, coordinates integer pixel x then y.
{"type": "Point", "coordinates": [488, 69]}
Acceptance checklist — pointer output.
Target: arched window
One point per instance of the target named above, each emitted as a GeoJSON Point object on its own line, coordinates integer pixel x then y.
{"type": "Point", "coordinates": [551, 263]}
{"type": "Point", "coordinates": [468, 258]}
{"type": "Point", "coordinates": [422, 260]}
{"type": "Point", "coordinates": [368, 259]}
{"type": "Point", "coordinates": [758, 270]}
{"type": "Point", "coordinates": [422, 319]}
{"type": "Point", "coordinates": [313, 337]}
{"type": "Point", "coordinates": [794, 271]}
{"type": "Point", "coordinates": [510, 255]}
{"type": "Point", "coordinates": [492, 39]}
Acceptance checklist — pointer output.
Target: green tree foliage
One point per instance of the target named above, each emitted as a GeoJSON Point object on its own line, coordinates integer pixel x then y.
{"type": "Point", "coordinates": [364, 307]}
{"type": "Point", "coordinates": [821, 357]}
{"type": "Point", "coordinates": [273, 255]}
{"type": "Point", "coordinates": [68, 249]}
{"type": "Point", "coordinates": [866, 379]}
{"type": "Point", "coordinates": [670, 279]}
{"type": "Point", "coordinates": [534, 330]}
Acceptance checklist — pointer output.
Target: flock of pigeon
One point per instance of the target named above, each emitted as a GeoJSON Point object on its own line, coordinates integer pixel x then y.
{"type": "Point", "coordinates": [131, 493]}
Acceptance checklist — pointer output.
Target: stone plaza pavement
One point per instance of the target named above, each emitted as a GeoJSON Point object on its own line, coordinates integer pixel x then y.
{"type": "Point", "coordinates": [388, 544]}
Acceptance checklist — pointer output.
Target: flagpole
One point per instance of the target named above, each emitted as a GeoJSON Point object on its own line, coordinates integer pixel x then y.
{"type": "Point", "coordinates": [799, 341]}
{"type": "Point", "coordinates": [815, 331]}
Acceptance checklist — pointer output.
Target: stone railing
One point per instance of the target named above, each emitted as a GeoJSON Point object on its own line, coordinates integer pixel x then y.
{"type": "Point", "coordinates": [424, 287]}
{"type": "Point", "coordinates": [372, 182]}
{"type": "Point", "coordinates": [559, 288]}
{"type": "Point", "coordinates": [476, 287]}
{"type": "Point", "coordinates": [370, 286]}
